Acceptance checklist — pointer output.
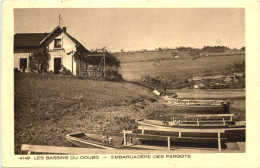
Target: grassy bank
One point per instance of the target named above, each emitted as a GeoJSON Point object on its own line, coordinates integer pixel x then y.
{"type": "Point", "coordinates": [47, 107]}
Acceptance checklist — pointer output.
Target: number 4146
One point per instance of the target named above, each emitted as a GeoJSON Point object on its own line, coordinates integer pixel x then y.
{"type": "Point", "coordinates": [25, 158]}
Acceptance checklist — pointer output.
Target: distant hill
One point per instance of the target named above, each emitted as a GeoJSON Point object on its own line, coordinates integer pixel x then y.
{"type": "Point", "coordinates": [126, 57]}
{"type": "Point", "coordinates": [134, 65]}
{"type": "Point", "coordinates": [141, 56]}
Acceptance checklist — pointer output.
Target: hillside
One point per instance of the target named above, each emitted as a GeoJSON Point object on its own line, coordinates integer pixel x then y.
{"type": "Point", "coordinates": [127, 57]}
{"type": "Point", "coordinates": [47, 107]}
{"type": "Point", "coordinates": [181, 68]}
{"type": "Point", "coordinates": [169, 54]}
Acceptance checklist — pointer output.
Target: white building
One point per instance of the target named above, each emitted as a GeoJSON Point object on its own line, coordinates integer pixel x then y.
{"type": "Point", "coordinates": [58, 43]}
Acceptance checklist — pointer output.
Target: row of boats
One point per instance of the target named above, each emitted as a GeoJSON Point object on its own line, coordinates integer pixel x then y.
{"type": "Point", "coordinates": [216, 126]}
{"type": "Point", "coordinates": [152, 134]}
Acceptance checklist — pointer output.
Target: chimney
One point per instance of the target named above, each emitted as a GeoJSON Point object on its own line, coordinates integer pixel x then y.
{"type": "Point", "coordinates": [64, 29]}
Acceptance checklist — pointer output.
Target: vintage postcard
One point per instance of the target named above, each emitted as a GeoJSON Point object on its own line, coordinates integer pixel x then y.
{"type": "Point", "coordinates": [127, 84]}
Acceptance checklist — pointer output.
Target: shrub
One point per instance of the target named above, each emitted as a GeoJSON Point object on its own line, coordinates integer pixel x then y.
{"type": "Point", "coordinates": [39, 61]}
{"type": "Point", "coordinates": [157, 82]}
{"type": "Point", "coordinates": [66, 71]}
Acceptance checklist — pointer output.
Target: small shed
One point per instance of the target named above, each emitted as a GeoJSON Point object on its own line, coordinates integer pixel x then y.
{"type": "Point", "coordinates": [98, 64]}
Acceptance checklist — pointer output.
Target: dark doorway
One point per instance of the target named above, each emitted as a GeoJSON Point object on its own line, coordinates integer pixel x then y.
{"type": "Point", "coordinates": [57, 65]}
{"type": "Point", "coordinates": [23, 64]}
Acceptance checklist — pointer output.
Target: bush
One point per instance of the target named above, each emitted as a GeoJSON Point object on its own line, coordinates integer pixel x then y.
{"type": "Point", "coordinates": [66, 71]}
{"type": "Point", "coordinates": [157, 82]}
{"type": "Point", "coordinates": [115, 77]}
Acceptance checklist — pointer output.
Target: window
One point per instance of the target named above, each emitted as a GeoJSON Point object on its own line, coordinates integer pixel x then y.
{"type": "Point", "coordinates": [57, 43]}
{"type": "Point", "coordinates": [23, 63]}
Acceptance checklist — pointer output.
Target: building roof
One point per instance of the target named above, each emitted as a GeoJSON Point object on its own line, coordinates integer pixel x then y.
{"type": "Point", "coordinates": [58, 28]}
{"type": "Point", "coordinates": [38, 39]}
{"type": "Point", "coordinates": [75, 41]}
{"type": "Point", "coordinates": [28, 39]}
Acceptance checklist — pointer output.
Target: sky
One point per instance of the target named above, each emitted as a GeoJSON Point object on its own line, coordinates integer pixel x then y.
{"type": "Point", "coordinates": [139, 28]}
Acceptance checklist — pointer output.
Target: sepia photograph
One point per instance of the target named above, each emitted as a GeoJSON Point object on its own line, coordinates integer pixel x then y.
{"type": "Point", "coordinates": [129, 79]}
{"type": "Point", "coordinates": [130, 84]}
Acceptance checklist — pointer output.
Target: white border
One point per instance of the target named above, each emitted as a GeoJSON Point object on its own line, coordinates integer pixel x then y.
{"type": "Point", "coordinates": [248, 159]}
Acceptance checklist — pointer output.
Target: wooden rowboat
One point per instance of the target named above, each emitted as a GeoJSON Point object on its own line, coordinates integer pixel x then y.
{"type": "Point", "coordinates": [132, 140]}
{"type": "Point", "coordinates": [135, 141]}
{"type": "Point", "coordinates": [202, 124]}
{"type": "Point", "coordinates": [92, 140]}
{"type": "Point", "coordinates": [232, 131]}
{"type": "Point", "coordinates": [199, 106]}
{"type": "Point", "coordinates": [85, 140]}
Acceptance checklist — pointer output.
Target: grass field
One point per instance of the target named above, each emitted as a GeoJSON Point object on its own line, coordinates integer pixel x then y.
{"type": "Point", "coordinates": [141, 56]}
{"type": "Point", "coordinates": [180, 69]}
{"type": "Point", "coordinates": [47, 107]}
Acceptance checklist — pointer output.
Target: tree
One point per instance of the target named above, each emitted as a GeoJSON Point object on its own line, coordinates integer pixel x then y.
{"type": "Point", "coordinates": [215, 48]}
{"type": "Point", "coordinates": [39, 61]}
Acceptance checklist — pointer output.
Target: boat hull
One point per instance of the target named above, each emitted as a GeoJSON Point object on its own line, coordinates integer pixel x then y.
{"type": "Point", "coordinates": [229, 125]}
{"type": "Point", "coordinates": [198, 106]}
{"type": "Point", "coordinates": [92, 140]}
{"type": "Point", "coordinates": [84, 140]}
{"type": "Point", "coordinates": [233, 132]}
{"type": "Point", "coordinates": [201, 108]}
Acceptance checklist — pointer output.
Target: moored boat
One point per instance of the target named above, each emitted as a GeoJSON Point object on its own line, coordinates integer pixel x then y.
{"type": "Point", "coordinates": [202, 124]}
{"type": "Point", "coordinates": [125, 142]}
{"type": "Point", "coordinates": [199, 106]}
{"type": "Point", "coordinates": [93, 140]}
{"type": "Point", "coordinates": [233, 131]}
{"type": "Point", "coordinates": [135, 141]}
